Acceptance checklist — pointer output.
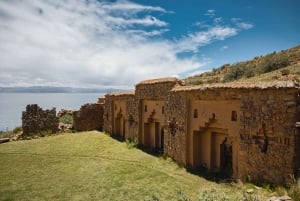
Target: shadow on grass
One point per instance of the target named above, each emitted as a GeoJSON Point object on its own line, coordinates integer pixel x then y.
{"type": "Point", "coordinates": [218, 175]}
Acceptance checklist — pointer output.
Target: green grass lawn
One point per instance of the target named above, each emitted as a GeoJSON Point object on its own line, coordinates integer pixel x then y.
{"type": "Point", "coordinates": [93, 166]}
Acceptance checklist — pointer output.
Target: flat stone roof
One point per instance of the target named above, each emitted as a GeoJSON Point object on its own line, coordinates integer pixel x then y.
{"type": "Point", "coordinates": [159, 80]}
{"type": "Point", "coordinates": [239, 85]}
{"type": "Point", "coordinates": [121, 93]}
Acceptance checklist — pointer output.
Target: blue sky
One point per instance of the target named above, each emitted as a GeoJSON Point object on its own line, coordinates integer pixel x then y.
{"type": "Point", "coordinates": [90, 43]}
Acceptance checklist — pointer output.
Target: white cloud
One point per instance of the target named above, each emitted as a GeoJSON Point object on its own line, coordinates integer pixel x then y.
{"type": "Point", "coordinates": [242, 25]}
{"type": "Point", "coordinates": [210, 13]}
{"type": "Point", "coordinates": [193, 41]}
{"type": "Point", "coordinates": [223, 48]}
{"type": "Point", "coordinates": [92, 44]}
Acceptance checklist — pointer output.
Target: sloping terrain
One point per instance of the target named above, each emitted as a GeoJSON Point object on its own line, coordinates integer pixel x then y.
{"type": "Point", "coordinates": [93, 166]}
{"type": "Point", "coordinates": [275, 66]}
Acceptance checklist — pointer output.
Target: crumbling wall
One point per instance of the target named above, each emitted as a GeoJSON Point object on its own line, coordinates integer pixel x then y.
{"type": "Point", "coordinates": [88, 117]}
{"type": "Point", "coordinates": [36, 120]}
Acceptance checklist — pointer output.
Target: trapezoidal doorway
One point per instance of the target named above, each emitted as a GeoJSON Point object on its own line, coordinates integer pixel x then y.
{"type": "Point", "coordinates": [212, 150]}
{"type": "Point", "coordinates": [120, 125]}
{"type": "Point", "coordinates": [152, 134]}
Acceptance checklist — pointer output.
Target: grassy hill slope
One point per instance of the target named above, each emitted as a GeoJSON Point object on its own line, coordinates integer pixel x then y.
{"type": "Point", "coordinates": [277, 65]}
{"type": "Point", "coordinates": [93, 166]}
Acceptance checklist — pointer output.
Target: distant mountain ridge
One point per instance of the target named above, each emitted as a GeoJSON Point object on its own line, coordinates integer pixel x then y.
{"type": "Point", "coordinates": [49, 89]}
{"type": "Point", "coordinates": [281, 65]}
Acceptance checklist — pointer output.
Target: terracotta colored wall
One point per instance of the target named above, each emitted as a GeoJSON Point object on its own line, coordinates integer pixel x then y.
{"type": "Point", "coordinates": [268, 137]}
{"type": "Point", "coordinates": [257, 123]}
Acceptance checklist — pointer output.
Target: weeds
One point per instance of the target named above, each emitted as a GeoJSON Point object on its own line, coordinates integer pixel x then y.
{"type": "Point", "coordinates": [181, 196]}
{"type": "Point", "coordinates": [294, 190]}
{"type": "Point", "coordinates": [66, 119]}
{"type": "Point", "coordinates": [131, 143]}
{"type": "Point", "coordinates": [11, 134]}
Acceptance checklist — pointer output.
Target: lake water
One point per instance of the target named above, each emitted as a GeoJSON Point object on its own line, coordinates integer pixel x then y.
{"type": "Point", "coordinates": [12, 104]}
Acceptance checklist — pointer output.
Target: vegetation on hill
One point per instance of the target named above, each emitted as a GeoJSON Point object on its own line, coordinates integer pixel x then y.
{"type": "Point", "coordinates": [285, 64]}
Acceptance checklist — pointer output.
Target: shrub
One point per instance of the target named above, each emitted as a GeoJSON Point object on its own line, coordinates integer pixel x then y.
{"type": "Point", "coordinates": [66, 119]}
{"type": "Point", "coordinates": [285, 72]}
{"type": "Point", "coordinates": [18, 129]}
{"type": "Point", "coordinates": [131, 143]}
{"type": "Point", "coordinates": [294, 190]}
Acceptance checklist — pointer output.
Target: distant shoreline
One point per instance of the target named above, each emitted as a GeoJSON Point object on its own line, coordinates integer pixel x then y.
{"type": "Point", "coordinates": [48, 89]}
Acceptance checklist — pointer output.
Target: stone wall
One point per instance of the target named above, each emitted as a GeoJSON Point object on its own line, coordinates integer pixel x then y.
{"type": "Point", "coordinates": [36, 120]}
{"type": "Point", "coordinates": [119, 118]}
{"type": "Point", "coordinates": [175, 131]}
{"type": "Point", "coordinates": [256, 122]}
{"type": "Point", "coordinates": [265, 137]}
{"type": "Point", "coordinates": [88, 117]}
{"type": "Point", "coordinates": [269, 139]}
{"type": "Point", "coordinates": [108, 114]}
{"type": "Point", "coordinates": [151, 91]}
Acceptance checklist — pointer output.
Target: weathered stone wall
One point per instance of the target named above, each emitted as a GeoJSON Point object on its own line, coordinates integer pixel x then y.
{"type": "Point", "coordinates": [155, 89]}
{"type": "Point", "coordinates": [257, 121]}
{"type": "Point", "coordinates": [176, 126]}
{"type": "Point", "coordinates": [88, 117]}
{"type": "Point", "coordinates": [131, 115]}
{"type": "Point", "coordinates": [36, 120]}
{"type": "Point", "coordinates": [297, 154]}
{"type": "Point", "coordinates": [120, 109]}
{"type": "Point", "coordinates": [268, 144]}
{"type": "Point", "coordinates": [108, 114]}
{"type": "Point", "coordinates": [265, 139]}
{"type": "Point", "coordinates": [151, 91]}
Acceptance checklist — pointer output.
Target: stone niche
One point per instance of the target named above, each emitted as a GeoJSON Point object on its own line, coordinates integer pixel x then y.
{"type": "Point", "coordinates": [88, 117]}
{"type": "Point", "coordinates": [36, 120]}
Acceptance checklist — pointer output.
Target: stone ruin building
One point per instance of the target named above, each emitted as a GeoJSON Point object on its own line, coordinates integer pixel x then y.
{"type": "Point", "coordinates": [36, 120]}
{"type": "Point", "coordinates": [251, 128]}
{"type": "Point", "coordinates": [88, 117]}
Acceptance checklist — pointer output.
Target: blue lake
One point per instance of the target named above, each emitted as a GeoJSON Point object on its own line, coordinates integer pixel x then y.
{"type": "Point", "coordinates": [12, 104]}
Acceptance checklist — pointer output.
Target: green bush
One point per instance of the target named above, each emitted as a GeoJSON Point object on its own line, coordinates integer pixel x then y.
{"type": "Point", "coordinates": [131, 143]}
{"type": "Point", "coordinates": [18, 129]}
{"type": "Point", "coordinates": [66, 119]}
{"type": "Point", "coordinates": [294, 190]}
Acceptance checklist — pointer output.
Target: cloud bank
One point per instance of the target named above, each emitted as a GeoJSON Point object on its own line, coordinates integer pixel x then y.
{"type": "Point", "coordinates": [80, 43]}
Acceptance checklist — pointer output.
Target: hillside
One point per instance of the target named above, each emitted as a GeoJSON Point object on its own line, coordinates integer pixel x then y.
{"type": "Point", "coordinates": [94, 166]}
{"type": "Point", "coordinates": [283, 65]}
